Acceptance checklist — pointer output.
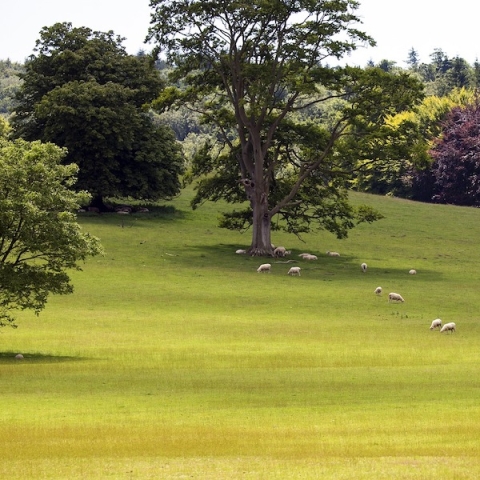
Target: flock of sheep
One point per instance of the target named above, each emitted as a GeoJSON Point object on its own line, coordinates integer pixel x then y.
{"type": "Point", "coordinates": [392, 297]}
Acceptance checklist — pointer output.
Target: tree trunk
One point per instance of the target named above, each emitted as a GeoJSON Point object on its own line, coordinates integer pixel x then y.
{"type": "Point", "coordinates": [97, 202]}
{"type": "Point", "coordinates": [261, 240]}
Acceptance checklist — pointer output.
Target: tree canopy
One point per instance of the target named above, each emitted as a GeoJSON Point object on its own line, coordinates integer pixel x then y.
{"type": "Point", "coordinates": [250, 69]}
{"type": "Point", "coordinates": [82, 91]}
{"type": "Point", "coordinates": [40, 239]}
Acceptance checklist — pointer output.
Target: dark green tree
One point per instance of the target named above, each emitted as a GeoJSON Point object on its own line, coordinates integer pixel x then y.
{"type": "Point", "coordinates": [476, 73]}
{"type": "Point", "coordinates": [461, 74]}
{"type": "Point", "coordinates": [249, 68]}
{"type": "Point", "coordinates": [387, 65]}
{"type": "Point", "coordinates": [82, 91]}
{"type": "Point", "coordinates": [413, 60]}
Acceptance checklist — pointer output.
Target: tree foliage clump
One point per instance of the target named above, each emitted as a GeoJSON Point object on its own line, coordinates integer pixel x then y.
{"type": "Point", "coordinates": [83, 92]}
{"type": "Point", "coordinates": [456, 167]}
{"type": "Point", "coordinates": [9, 85]}
{"type": "Point", "coordinates": [250, 69]}
{"type": "Point", "coordinates": [40, 239]}
{"type": "Point", "coordinates": [403, 166]}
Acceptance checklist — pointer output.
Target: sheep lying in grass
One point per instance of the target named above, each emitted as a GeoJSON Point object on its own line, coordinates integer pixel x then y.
{"type": "Point", "coordinates": [241, 251]}
{"type": "Point", "coordinates": [304, 254]}
{"type": "Point", "coordinates": [333, 254]}
{"type": "Point", "coordinates": [264, 267]}
{"type": "Point", "coordinates": [437, 323]}
{"type": "Point", "coordinates": [395, 297]}
{"type": "Point", "coordinates": [294, 271]}
{"type": "Point", "coordinates": [448, 327]}
{"type": "Point", "coordinates": [310, 257]}
{"type": "Point", "coordinates": [378, 291]}
{"type": "Point", "coordinates": [412, 272]}
{"type": "Point", "coordinates": [364, 267]}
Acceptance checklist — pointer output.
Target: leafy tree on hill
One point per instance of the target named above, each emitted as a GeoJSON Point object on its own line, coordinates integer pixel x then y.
{"type": "Point", "coordinates": [456, 168]}
{"type": "Point", "coordinates": [40, 239]}
{"type": "Point", "coordinates": [249, 69]}
{"type": "Point", "coordinates": [83, 92]}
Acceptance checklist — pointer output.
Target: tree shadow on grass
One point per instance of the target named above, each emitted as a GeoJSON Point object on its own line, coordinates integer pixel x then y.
{"type": "Point", "coordinates": [325, 267]}
{"type": "Point", "coordinates": [34, 357]}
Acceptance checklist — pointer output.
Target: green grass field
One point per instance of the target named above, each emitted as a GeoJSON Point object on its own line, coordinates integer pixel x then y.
{"type": "Point", "coordinates": [175, 359]}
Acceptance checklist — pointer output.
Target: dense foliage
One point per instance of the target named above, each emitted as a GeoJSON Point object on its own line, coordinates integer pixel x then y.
{"type": "Point", "coordinates": [456, 167]}
{"type": "Point", "coordinates": [90, 63]}
{"type": "Point", "coordinates": [9, 84]}
{"type": "Point", "coordinates": [402, 167]}
{"type": "Point", "coordinates": [82, 91]}
{"type": "Point", "coordinates": [39, 237]}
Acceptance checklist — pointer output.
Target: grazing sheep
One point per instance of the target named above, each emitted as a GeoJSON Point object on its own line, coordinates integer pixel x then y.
{"type": "Point", "coordinates": [395, 297]}
{"type": "Point", "coordinates": [412, 272]}
{"type": "Point", "coordinates": [241, 251]}
{"type": "Point", "coordinates": [294, 271]}
{"type": "Point", "coordinates": [264, 267]}
{"type": "Point", "coordinates": [333, 254]}
{"type": "Point", "coordinates": [378, 291]}
{"type": "Point", "coordinates": [436, 324]}
{"type": "Point", "coordinates": [364, 267]}
{"type": "Point", "coordinates": [281, 252]}
{"type": "Point", "coordinates": [310, 257]}
{"type": "Point", "coordinates": [448, 327]}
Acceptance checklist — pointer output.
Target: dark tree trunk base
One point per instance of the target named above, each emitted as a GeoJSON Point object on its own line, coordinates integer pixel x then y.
{"type": "Point", "coordinates": [98, 203]}
{"type": "Point", "coordinates": [260, 252]}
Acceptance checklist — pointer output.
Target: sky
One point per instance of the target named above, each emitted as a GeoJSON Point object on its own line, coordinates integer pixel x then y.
{"type": "Point", "coordinates": [396, 25]}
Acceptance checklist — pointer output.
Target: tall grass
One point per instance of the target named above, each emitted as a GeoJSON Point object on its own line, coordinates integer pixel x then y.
{"type": "Point", "coordinates": [175, 359]}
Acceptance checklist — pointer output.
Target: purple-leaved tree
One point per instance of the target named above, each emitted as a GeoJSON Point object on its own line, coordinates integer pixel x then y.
{"type": "Point", "coordinates": [456, 155]}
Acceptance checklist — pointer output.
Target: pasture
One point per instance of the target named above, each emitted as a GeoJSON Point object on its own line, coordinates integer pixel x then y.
{"type": "Point", "coordinates": [175, 359]}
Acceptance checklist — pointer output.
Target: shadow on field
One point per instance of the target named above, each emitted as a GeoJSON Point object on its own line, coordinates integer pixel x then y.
{"type": "Point", "coordinates": [155, 212]}
{"type": "Point", "coordinates": [11, 357]}
{"type": "Point", "coordinates": [223, 256]}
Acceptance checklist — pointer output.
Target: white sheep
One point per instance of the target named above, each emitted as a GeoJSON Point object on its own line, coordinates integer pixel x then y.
{"type": "Point", "coordinates": [364, 267]}
{"type": "Point", "coordinates": [333, 254]}
{"type": "Point", "coordinates": [437, 323]}
{"type": "Point", "coordinates": [310, 257]}
{"type": "Point", "coordinates": [304, 254]}
{"type": "Point", "coordinates": [241, 251]}
{"type": "Point", "coordinates": [281, 252]}
{"type": "Point", "coordinates": [412, 272]}
{"type": "Point", "coordinates": [448, 327]}
{"type": "Point", "coordinates": [395, 297]}
{"type": "Point", "coordinates": [294, 271]}
{"type": "Point", "coordinates": [264, 267]}
{"type": "Point", "coordinates": [378, 291]}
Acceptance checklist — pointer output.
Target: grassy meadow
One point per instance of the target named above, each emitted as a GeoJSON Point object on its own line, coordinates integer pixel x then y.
{"type": "Point", "coordinates": [175, 359]}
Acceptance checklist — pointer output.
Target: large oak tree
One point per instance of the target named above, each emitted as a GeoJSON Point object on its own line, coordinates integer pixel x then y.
{"type": "Point", "coordinates": [82, 91]}
{"type": "Point", "coordinates": [250, 68]}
